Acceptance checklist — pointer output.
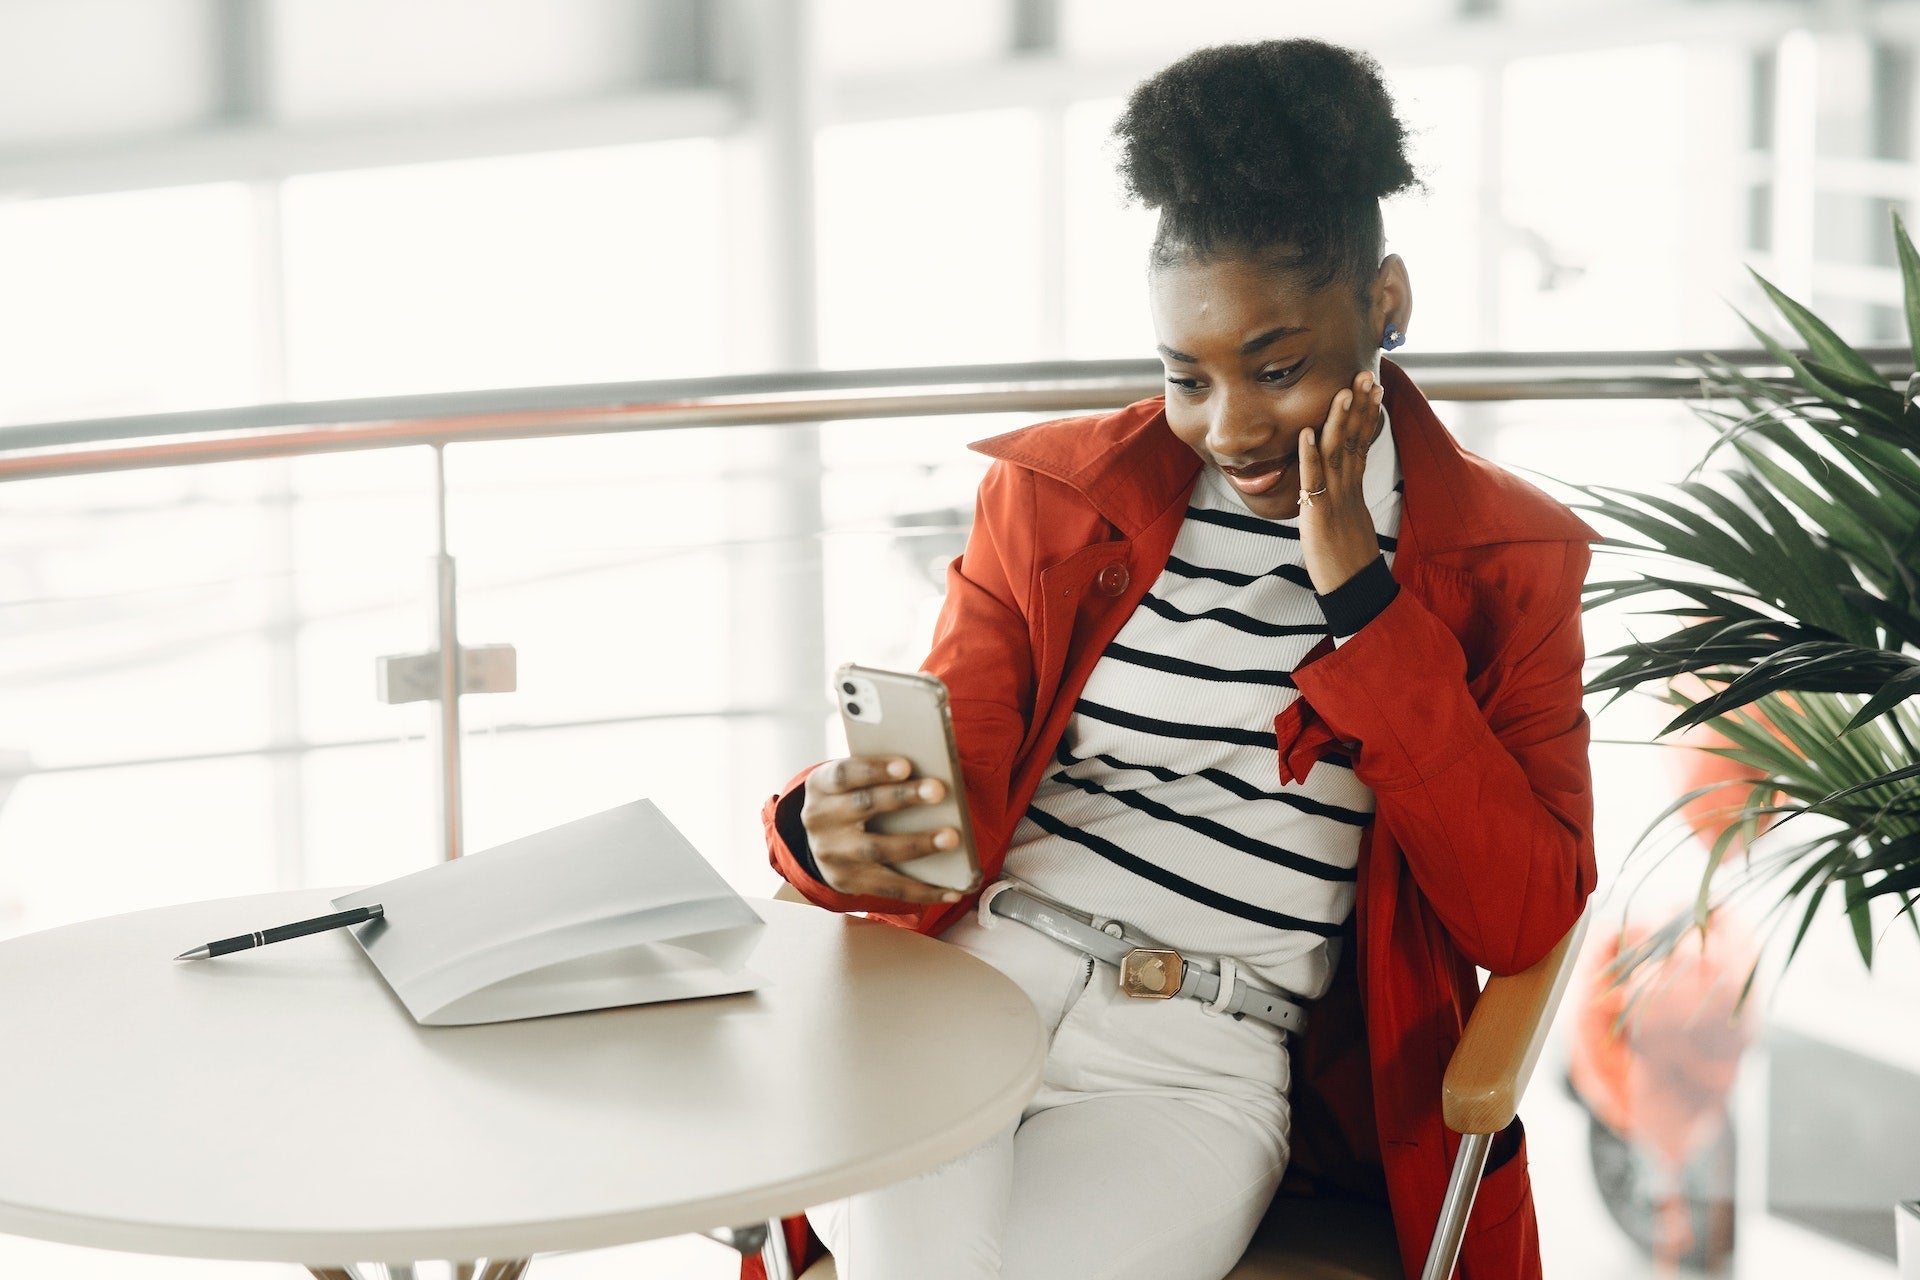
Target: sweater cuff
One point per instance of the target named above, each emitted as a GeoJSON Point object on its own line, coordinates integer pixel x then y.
{"type": "Point", "coordinates": [1360, 599]}
{"type": "Point", "coordinates": [786, 819]}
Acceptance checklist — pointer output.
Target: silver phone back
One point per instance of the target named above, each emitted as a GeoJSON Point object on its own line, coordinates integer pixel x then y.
{"type": "Point", "coordinates": [912, 721]}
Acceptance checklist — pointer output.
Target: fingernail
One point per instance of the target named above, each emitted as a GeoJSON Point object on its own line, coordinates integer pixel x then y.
{"type": "Point", "coordinates": [899, 769]}
{"type": "Point", "coordinates": [929, 789]}
{"type": "Point", "coordinates": [946, 840]}
{"type": "Point", "coordinates": [949, 897]}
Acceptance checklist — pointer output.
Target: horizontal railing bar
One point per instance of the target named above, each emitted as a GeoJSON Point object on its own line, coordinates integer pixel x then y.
{"type": "Point", "coordinates": [772, 399]}
{"type": "Point", "coordinates": [728, 389]}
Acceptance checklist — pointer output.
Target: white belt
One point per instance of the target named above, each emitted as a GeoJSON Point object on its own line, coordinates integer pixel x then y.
{"type": "Point", "coordinates": [1147, 973]}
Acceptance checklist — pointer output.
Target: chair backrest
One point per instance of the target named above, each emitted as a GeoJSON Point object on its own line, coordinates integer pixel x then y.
{"type": "Point", "coordinates": [1496, 1054]}
{"type": "Point", "coordinates": [1486, 1076]}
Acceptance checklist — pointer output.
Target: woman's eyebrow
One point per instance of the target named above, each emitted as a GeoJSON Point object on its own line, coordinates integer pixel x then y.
{"type": "Point", "coordinates": [1246, 348]}
{"type": "Point", "coordinates": [1271, 335]}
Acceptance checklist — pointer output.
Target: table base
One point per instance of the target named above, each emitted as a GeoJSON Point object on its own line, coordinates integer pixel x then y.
{"type": "Point", "coordinates": [763, 1238]}
{"type": "Point", "coordinates": [492, 1269]}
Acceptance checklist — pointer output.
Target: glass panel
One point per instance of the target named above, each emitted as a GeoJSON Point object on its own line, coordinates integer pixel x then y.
{"type": "Point", "coordinates": [140, 629]}
{"type": "Point", "coordinates": [97, 843]}
{"type": "Point", "coordinates": [1593, 255]}
{"type": "Point", "coordinates": [930, 241]}
{"type": "Point", "coordinates": [521, 271]}
{"type": "Point", "coordinates": [879, 36]}
{"type": "Point", "coordinates": [1106, 243]}
{"type": "Point", "coordinates": [362, 534]}
{"type": "Point", "coordinates": [448, 55]}
{"type": "Point", "coordinates": [897, 503]}
{"type": "Point", "coordinates": [1437, 233]}
{"type": "Point", "coordinates": [137, 302]}
{"type": "Point", "coordinates": [61, 81]}
{"type": "Point", "coordinates": [1141, 30]}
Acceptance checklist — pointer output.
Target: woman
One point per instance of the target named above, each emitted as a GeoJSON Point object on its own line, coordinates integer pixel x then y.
{"type": "Point", "coordinates": [1246, 671]}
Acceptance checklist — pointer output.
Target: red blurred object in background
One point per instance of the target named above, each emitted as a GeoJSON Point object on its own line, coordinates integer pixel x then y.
{"type": "Point", "coordinates": [1659, 1074]}
{"type": "Point", "coordinates": [1654, 1057]}
{"type": "Point", "coordinates": [1693, 767]}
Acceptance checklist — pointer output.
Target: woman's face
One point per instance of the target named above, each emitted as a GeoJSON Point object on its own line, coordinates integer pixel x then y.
{"type": "Point", "coordinates": [1252, 361]}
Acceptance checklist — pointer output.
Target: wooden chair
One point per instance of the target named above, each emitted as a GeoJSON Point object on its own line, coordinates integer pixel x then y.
{"type": "Point", "coordinates": [1318, 1239]}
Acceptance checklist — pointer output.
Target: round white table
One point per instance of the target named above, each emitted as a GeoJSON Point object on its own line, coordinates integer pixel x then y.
{"type": "Point", "coordinates": [280, 1104]}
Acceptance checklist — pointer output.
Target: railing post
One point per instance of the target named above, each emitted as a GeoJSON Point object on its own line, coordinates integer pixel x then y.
{"type": "Point", "coordinates": [447, 635]}
{"type": "Point", "coordinates": [447, 672]}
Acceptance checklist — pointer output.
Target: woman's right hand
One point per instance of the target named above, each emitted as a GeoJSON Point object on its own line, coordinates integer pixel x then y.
{"type": "Point", "coordinates": [841, 795]}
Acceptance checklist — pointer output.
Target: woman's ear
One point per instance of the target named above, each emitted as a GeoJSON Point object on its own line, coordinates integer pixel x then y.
{"type": "Point", "coordinates": [1392, 295]}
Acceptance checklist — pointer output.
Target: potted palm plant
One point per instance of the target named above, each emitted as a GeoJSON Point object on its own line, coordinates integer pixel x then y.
{"type": "Point", "coordinates": [1786, 572]}
{"type": "Point", "coordinates": [1788, 566]}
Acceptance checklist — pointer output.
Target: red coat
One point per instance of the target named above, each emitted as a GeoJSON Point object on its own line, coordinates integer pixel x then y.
{"type": "Point", "coordinates": [1460, 705]}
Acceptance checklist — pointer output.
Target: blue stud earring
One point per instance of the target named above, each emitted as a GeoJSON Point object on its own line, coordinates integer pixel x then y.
{"type": "Point", "coordinates": [1393, 337]}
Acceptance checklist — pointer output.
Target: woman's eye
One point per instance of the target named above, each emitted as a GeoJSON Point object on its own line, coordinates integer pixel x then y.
{"type": "Point", "coordinates": [1191, 386]}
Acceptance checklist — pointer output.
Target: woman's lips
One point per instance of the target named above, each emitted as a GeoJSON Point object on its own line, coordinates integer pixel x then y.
{"type": "Point", "coordinates": [1258, 478]}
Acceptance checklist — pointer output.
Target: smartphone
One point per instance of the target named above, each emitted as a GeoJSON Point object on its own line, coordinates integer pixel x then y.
{"type": "Point", "coordinates": [898, 713]}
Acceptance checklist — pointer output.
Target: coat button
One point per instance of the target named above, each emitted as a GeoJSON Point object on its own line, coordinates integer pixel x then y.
{"type": "Point", "coordinates": [1112, 580]}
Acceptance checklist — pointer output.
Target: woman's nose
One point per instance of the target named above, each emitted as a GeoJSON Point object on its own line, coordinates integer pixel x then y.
{"type": "Point", "coordinates": [1237, 428]}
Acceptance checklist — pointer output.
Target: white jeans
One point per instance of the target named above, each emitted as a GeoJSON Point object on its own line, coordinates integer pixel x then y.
{"type": "Point", "coordinates": [1151, 1151]}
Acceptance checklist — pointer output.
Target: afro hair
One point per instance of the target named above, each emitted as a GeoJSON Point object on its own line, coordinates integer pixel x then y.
{"type": "Point", "coordinates": [1281, 149]}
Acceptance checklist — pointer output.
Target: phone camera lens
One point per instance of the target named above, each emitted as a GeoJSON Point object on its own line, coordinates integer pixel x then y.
{"type": "Point", "coordinates": [847, 686]}
{"type": "Point", "coordinates": [853, 708]}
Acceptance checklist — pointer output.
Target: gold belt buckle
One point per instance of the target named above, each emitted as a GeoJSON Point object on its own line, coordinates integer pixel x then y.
{"type": "Point", "coordinates": [1149, 973]}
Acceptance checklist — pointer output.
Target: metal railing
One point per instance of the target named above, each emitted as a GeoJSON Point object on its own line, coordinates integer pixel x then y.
{"type": "Point", "coordinates": [759, 400]}
{"type": "Point", "coordinates": [35, 450]}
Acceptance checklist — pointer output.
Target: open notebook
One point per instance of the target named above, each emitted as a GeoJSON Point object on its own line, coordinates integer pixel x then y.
{"type": "Point", "coordinates": [612, 909]}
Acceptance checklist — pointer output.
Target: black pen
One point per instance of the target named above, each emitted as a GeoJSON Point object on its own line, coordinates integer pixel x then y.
{"type": "Point", "coordinates": [280, 933]}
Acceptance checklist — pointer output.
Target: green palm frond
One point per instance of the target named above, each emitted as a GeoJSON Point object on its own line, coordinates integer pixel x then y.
{"type": "Point", "coordinates": [1784, 572]}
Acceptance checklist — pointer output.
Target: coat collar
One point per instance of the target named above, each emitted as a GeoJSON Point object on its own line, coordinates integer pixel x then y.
{"type": "Point", "coordinates": [1131, 466]}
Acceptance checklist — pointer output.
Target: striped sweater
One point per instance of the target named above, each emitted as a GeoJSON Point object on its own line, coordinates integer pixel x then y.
{"type": "Point", "coordinates": [1166, 809]}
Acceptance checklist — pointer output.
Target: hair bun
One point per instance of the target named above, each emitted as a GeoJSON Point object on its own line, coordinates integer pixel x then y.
{"type": "Point", "coordinates": [1240, 125]}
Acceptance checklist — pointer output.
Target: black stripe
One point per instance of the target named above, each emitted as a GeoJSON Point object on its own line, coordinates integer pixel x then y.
{"type": "Point", "coordinates": [1197, 670]}
{"type": "Point", "coordinates": [1178, 884]}
{"type": "Point", "coordinates": [1064, 757]}
{"type": "Point", "coordinates": [1159, 771]}
{"type": "Point", "coordinates": [1271, 528]}
{"type": "Point", "coordinates": [1248, 523]}
{"type": "Point", "coordinates": [1306, 804]}
{"type": "Point", "coordinates": [1238, 621]}
{"type": "Point", "coordinates": [1222, 779]}
{"type": "Point", "coordinates": [1220, 834]}
{"type": "Point", "coordinates": [1294, 573]}
{"type": "Point", "coordinates": [1174, 729]}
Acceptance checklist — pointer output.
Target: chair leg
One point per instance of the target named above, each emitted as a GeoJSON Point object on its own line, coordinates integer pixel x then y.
{"type": "Point", "coordinates": [1444, 1252]}
{"type": "Point", "coordinates": [773, 1253]}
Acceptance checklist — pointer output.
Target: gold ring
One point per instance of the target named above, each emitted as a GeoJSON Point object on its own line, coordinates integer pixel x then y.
{"type": "Point", "coordinates": [1306, 498]}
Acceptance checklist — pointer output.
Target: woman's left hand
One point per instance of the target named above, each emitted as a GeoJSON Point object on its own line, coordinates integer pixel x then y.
{"type": "Point", "coordinates": [1336, 529]}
